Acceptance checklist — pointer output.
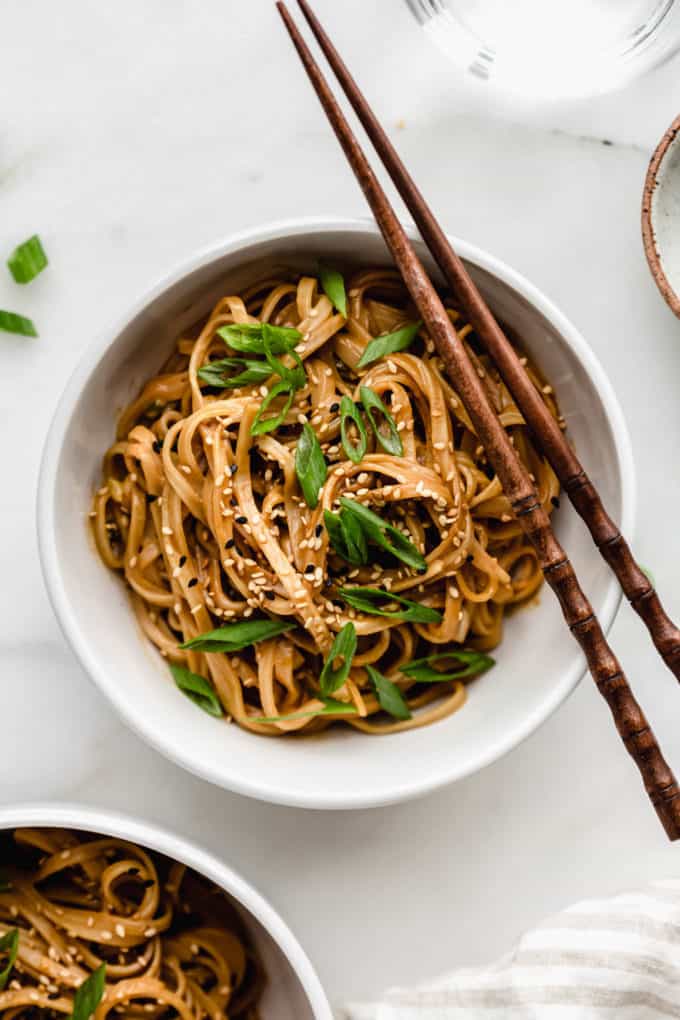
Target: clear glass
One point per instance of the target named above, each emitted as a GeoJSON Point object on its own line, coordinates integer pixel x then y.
{"type": "Point", "coordinates": [553, 48]}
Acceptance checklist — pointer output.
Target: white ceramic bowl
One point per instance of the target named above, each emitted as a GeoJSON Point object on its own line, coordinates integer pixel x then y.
{"type": "Point", "coordinates": [538, 663]}
{"type": "Point", "coordinates": [293, 990]}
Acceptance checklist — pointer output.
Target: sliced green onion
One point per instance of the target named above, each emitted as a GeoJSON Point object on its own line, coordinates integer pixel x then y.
{"type": "Point", "coordinates": [260, 424]}
{"type": "Point", "coordinates": [648, 574]}
{"type": "Point", "coordinates": [215, 372]}
{"type": "Point", "coordinates": [385, 535]}
{"type": "Point", "coordinates": [11, 322]}
{"type": "Point", "coordinates": [27, 260]}
{"type": "Point", "coordinates": [249, 337]}
{"type": "Point", "coordinates": [391, 443]}
{"type": "Point", "coordinates": [344, 647]}
{"type": "Point", "coordinates": [473, 663]}
{"type": "Point", "coordinates": [355, 451]}
{"type": "Point", "coordinates": [235, 636]}
{"type": "Point", "coordinates": [365, 599]}
{"type": "Point", "coordinates": [89, 995]}
{"type": "Point", "coordinates": [197, 689]}
{"type": "Point", "coordinates": [334, 287]}
{"type": "Point", "coordinates": [295, 376]}
{"type": "Point", "coordinates": [354, 536]}
{"type": "Point", "coordinates": [310, 465]}
{"type": "Point", "coordinates": [389, 696]}
{"type": "Point", "coordinates": [346, 537]}
{"type": "Point", "coordinates": [331, 707]}
{"type": "Point", "coordinates": [381, 346]}
{"type": "Point", "coordinates": [9, 947]}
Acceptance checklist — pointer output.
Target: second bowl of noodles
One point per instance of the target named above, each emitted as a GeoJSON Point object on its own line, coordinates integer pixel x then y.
{"type": "Point", "coordinates": [262, 498]}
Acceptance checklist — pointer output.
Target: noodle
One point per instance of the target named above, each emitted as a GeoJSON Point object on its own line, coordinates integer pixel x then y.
{"type": "Point", "coordinates": [209, 526]}
{"type": "Point", "coordinates": [172, 944]}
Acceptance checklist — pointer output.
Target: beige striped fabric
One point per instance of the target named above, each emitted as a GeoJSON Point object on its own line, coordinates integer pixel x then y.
{"type": "Point", "coordinates": [610, 959]}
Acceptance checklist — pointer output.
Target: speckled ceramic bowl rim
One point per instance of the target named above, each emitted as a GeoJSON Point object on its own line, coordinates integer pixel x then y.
{"type": "Point", "coordinates": [654, 257]}
{"type": "Point", "coordinates": [122, 826]}
{"type": "Point", "coordinates": [66, 613]}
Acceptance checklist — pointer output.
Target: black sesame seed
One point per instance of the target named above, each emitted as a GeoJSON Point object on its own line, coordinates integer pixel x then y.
{"type": "Point", "coordinates": [555, 501]}
{"type": "Point", "coordinates": [150, 498]}
{"type": "Point", "coordinates": [270, 595]}
{"type": "Point", "coordinates": [318, 530]}
{"type": "Point", "coordinates": [229, 544]}
{"type": "Point", "coordinates": [241, 520]}
{"type": "Point", "coordinates": [334, 407]}
{"type": "Point", "coordinates": [233, 468]}
{"type": "Point", "coordinates": [310, 568]}
{"type": "Point", "coordinates": [193, 582]}
{"type": "Point", "coordinates": [469, 558]}
{"type": "Point", "coordinates": [157, 446]}
{"type": "Point", "coordinates": [182, 560]}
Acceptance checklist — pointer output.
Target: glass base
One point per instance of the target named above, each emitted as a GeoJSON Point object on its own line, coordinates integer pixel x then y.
{"type": "Point", "coordinates": [557, 48]}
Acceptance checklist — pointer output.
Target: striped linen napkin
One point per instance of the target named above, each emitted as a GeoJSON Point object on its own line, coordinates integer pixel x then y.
{"type": "Point", "coordinates": [610, 959]}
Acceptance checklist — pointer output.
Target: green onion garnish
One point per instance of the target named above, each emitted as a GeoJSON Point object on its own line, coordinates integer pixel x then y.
{"type": "Point", "coordinates": [422, 672]}
{"type": "Point", "coordinates": [295, 376]}
{"type": "Point", "coordinates": [10, 322]}
{"type": "Point", "coordinates": [331, 707]}
{"type": "Point", "coordinates": [346, 537]}
{"type": "Point", "coordinates": [648, 574]}
{"type": "Point", "coordinates": [260, 424]}
{"type": "Point", "coordinates": [381, 346]}
{"type": "Point", "coordinates": [235, 636]}
{"type": "Point", "coordinates": [349, 410]}
{"type": "Point", "coordinates": [310, 465]}
{"type": "Point", "coordinates": [89, 995]}
{"type": "Point", "coordinates": [334, 287]}
{"type": "Point", "coordinates": [249, 337]}
{"type": "Point", "coordinates": [214, 373]}
{"type": "Point", "coordinates": [366, 599]}
{"type": "Point", "coordinates": [385, 535]}
{"type": "Point", "coordinates": [391, 442]}
{"type": "Point", "coordinates": [27, 260]}
{"type": "Point", "coordinates": [9, 947]}
{"type": "Point", "coordinates": [345, 645]}
{"type": "Point", "coordinates": [197, 689]}
{"type": "Point", "coordinates": [389, 696]}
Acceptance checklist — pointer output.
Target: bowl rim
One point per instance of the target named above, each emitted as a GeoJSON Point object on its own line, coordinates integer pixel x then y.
{"type": "Point", "coordinates": [148, 834]}
{"type": "Point", "coordinates": [67, 616]}
{"type": "Point", "coordinates": [652, 253]}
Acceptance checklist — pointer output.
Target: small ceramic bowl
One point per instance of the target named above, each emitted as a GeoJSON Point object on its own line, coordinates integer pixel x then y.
{"type": "Point", "coordinates": [661, 216]}
{"type": "Point", "coordinates": [293, 990]}
{"type": "Point", "coordinates": [538, 662]}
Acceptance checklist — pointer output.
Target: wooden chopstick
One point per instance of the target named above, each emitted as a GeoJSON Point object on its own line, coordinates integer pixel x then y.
{"type": "Point", "coordinates": [631, 723]}
{"type": "Point", "coordinates": [549, 437]}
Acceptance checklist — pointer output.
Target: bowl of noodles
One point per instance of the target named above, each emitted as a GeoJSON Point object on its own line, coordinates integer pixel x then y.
{"type": "Point", "coordinates": [102, 915]}
{"type": "Point", "coordinates": [273, 540]}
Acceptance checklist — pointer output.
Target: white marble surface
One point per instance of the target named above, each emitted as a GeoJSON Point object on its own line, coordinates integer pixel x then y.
{"type": "Point", "coordinates": [134, 133]}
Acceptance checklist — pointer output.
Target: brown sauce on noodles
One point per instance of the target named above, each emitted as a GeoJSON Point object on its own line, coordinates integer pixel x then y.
{"type": "Point", "coordinates": [208, 524]}
{"type": "Point", "coordinates": [172, 944]}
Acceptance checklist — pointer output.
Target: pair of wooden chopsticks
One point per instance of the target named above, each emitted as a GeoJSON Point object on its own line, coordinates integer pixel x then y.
{"type": "Point", "coordinates": [635, 731]}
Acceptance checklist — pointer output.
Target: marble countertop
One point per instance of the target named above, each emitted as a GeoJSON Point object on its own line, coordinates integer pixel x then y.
{"type": "Point", "coordinates": [135, 133]}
